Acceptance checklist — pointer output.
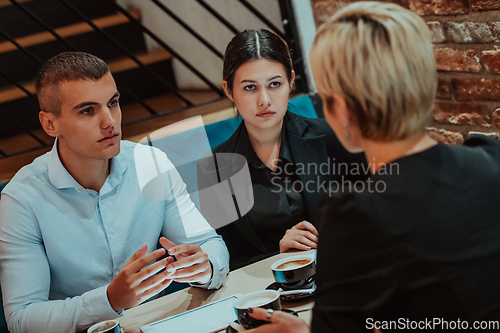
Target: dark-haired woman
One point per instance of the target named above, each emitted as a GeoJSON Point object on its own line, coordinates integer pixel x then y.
{"type": "Point", "coordinates": [284, 151]}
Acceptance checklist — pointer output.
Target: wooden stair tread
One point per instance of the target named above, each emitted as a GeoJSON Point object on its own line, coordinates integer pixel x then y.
{"type": "Point", "coordinates": [123, 64]}
{"type": "Point", "coordinates": [5, 3]}
{"type": "Point", "coordinates": [68, 31]}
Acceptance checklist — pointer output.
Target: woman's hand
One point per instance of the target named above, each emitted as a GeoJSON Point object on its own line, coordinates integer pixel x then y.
{"type": "Point", "coordinates": [280, 322]}
{"type": "Point", "coordinates": [303, 236]}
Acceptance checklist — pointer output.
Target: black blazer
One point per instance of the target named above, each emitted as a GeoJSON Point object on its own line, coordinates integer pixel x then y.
{"type": "Point", "coordinates": [310, 141]}
{"type": "Point", "coordinates": [428, 246]}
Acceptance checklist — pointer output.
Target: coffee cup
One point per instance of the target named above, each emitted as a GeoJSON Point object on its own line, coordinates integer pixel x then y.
{"type": "Point", "coordinates": [108, 326]}
{"type": "Point", "coordinates": [294, 271]}
{"type": "Point", "coordinates": [267, 299]}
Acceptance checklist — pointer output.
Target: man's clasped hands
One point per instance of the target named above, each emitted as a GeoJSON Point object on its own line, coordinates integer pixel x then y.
{"type": "Point", "coordinates": [138, 280]}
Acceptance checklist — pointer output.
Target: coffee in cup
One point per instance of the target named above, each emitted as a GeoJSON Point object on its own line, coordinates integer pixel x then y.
{"type": "Point", "coordinates": [267, 299]}
{"type": "Point", "coordinates": [294, 272]}
{"type": "Point", "coordinates": [108, 326]}
{"type": "Point", "coordinates": [293, 264]}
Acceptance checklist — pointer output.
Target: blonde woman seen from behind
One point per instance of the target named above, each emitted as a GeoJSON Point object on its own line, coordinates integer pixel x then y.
{"type": "Point", "coordinates": [421, 245]}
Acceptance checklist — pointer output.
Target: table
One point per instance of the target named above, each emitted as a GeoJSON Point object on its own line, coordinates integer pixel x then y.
{"type": "Point", "coordinates": [250, 278]}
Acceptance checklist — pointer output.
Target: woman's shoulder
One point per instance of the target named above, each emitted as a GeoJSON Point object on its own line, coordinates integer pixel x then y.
{"type": "Point", "coordinates": [484, 144]}
{"type": "Point", "coordinates": [478, 153]}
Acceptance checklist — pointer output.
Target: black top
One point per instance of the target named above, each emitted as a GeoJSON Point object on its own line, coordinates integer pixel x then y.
{"type": "Point", "coordinates": [281, 203]}
{"type": "Point", "coordinates": [425, 245]}
{"type": "Point", "coordinates": [280, 198]}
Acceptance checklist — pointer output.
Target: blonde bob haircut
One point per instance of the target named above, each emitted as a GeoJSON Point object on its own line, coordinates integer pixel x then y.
{"type": "Point", "coordinates": [379, 57]}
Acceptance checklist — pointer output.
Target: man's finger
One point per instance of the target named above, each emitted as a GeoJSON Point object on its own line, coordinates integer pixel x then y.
{"type": "Point", "coordinates": [187, 249]}
{"type": "Point", "coordinates": [193, 278]}
{"type": "Point", "coordinates": [153, 281]}
{"type": "Point", "coordinates": [166, 243]}
{"type": "Point", "coordinates": [143, 261]}
{"type": "Point", "coordinates": [138, 254]}
{"type": "Point", "coordinates": [152, 269]}
{"type": "Point", "coordinates": [155, 290]}
{"type": "Point", "coordinates": [188, 261]}
{"type": "Point", "coordinates": [191, 270]}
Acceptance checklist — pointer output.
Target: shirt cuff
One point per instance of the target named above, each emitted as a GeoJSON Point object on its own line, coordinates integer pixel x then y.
{"type": "Point", "coordinates": [97, 305]}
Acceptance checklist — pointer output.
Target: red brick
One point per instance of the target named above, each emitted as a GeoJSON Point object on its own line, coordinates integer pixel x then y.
{"type": "Point", "coordinates": [442, 135]}
{"type": "Point", "coordinates": [452, 60]}
{"type": "Point", "coordinates": [491, 61]}
{"type": "Point", "coordinates": [443, 89]}
{"type": "Point", "coordinates": [323, 9]}
{"type": "Point", "coordinates": [461, 114]}
{"type": "Point", "coordinates": [484, 5]}
{"type": "Point", "coordinates": [469, 32]}
{"type": "Point", "coordinates": [495, 30]}
{"type": "Point", "coordinates": [437, 32]}
{"type": "Point", "coordinates": [439, 7]}
{"type": "Point", "coordinates": [476, 89]}
{"type": "Point", "coordinates": [496, 118]}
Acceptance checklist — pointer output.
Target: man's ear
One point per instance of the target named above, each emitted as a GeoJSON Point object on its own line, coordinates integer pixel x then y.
{"type": "Point", "coordinates": [227, 91]}
{"type": "Point", "coordinates": [48, 121]}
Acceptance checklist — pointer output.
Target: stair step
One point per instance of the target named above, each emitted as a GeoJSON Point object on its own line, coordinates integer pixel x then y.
{"type": "Point", "coordinates": [134, 112]}
{"type": "Point", "coordinates": [125, 63]}
{"type": "Point", "coordinates": [5, 3]}
{"type": "Point", "coordinates": [71, 30]}
{"type": "Point", "coordinates": [116, 66]}
{"type": "Point", "coordinates": [52, 13]}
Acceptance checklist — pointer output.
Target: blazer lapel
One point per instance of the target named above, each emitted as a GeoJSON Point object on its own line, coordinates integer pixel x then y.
{"type": "Point", "coordinates": [309, 151]}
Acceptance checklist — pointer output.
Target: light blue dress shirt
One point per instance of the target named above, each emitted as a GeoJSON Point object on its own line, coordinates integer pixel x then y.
{"type": "Point", "coordinates": [61, 244]}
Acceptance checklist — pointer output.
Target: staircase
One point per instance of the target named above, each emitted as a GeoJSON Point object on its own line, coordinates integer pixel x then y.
{"type": "Point", "coordinates": [146, 102]}
{"type": "Point", "coordinates": [32, 31]}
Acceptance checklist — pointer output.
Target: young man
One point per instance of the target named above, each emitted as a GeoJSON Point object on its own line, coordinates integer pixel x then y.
{"type": "Point", "coordinates": [77, 237]}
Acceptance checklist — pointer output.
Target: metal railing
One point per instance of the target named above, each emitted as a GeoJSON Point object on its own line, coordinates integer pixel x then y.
{"type": "Point", "coordinates": [290, 35]}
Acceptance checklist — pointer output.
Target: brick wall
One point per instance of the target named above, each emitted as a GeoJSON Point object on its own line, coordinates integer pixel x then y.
{"type": "Point", "coordinates": [466, 35]}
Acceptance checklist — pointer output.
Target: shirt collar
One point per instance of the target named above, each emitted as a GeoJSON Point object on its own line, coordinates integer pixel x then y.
{"type": "Point", "coordinates": [60, 177]}
{"type": "Point", "coordinates": [245, 148]}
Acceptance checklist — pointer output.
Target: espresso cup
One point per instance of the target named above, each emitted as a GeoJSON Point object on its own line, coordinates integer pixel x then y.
{"type": "Point", "coordinates": [108, 326]}
{"type": "Point", "coordinates": [267, 299]}
{"type": "Point", "coordinates": [294, 270]}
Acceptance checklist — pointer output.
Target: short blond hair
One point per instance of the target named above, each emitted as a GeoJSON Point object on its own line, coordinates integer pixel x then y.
{"type": "Point", "coordinates": [380, 58]}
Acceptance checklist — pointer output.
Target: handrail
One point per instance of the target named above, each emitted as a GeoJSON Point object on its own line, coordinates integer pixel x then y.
{"type": "Point", "coordinates": [130, 55]}
{"type": "Point", "coordinates": [218, 16]}
{"type": "Point", "coordinates": [169, 49]}
{"type": "Point", "coordinates": [188, 28]}
{"type": "Point", "coordinates": [20, 47]}
{"type": "Point", "coordinates": [262, 18]}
